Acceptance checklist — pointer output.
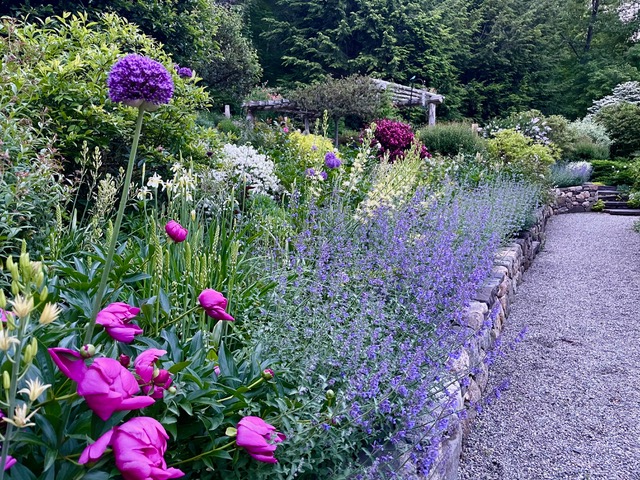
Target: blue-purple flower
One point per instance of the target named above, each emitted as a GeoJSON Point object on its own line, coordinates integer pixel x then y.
{"type": "Point", "coordinates": [331, 161]}
{"type": "Point", "coordinates": [141, 82]}
{"type": "Point", "coordinates": [184, 72]}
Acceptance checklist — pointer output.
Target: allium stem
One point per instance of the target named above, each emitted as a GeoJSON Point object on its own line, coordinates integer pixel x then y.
{"type": "Point", "coordinates": [116, 230]}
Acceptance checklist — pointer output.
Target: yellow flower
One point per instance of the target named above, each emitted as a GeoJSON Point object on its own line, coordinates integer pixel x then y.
{"type": "Point", "coordinates": [49, 313]}
{"type": "Point", "coordinates": [6, 340]}
{"type": "Point", "coordinates": [35, 389]}
{"type": "Point", "coordinates": [22, 306]}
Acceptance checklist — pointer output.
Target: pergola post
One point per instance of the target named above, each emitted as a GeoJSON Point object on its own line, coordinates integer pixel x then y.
{"type": "Point", "coordinates": [432, 114]}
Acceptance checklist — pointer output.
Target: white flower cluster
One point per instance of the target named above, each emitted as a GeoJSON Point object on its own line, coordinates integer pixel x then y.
{"type": "Point", "coordinates": [250, 169]}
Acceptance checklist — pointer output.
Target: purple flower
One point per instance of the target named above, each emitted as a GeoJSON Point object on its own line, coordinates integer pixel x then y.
{"type": "Point", "coordinates": [184, 72]}
{"type": "Point", "coordinates": [331, 161]}
{"type": "Point", "coordinates": [141, 82]}
{"type": "Point", "coordinates": [324, 175]}
{"type": "Point", "coordinates": [310, 172]}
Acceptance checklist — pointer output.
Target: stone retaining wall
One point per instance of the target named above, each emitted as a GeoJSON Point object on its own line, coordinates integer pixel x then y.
{"type": "Point", "coordinates": [484, 321]}
{"type": "Point", "coordinates": [575, 199]}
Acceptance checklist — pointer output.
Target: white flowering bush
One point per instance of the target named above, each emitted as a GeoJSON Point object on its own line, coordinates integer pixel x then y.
{"type": "Point", "coordinates": [249, 169]}
{"type": "Point", "coordinates": [628, 92]}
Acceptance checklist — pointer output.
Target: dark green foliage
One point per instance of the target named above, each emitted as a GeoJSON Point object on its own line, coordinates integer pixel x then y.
{"type": "Point", "coordinates": [451, 139]}
{"type": "Point", "coordinates": [585, 149]}
{"type": "Point", "coordinates": [622, 122]}
{"type": "Point", "coordinates": [611, 172]}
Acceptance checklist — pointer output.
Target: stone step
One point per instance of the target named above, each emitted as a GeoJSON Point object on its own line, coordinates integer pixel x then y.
{"type": "Point", "coordinates": [615, 204]}
{"type": "Point", "coordinates": [630, 212]}
{"type": "Point", "coordinates": [612, 196]}
{"type": "Point", "coordinates": [606, 187]}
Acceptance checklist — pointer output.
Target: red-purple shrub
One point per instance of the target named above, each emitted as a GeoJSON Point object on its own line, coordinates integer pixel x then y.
{"type": "Point", "coordinates": [395, 138]}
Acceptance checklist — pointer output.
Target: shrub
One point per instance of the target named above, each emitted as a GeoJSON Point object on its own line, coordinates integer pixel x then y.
{"type": "Point", "coordinates": [570, 174]}
{"type": "Point", "coordinates": [395, 138]}
{"type": "Point", "coordinates": [598, 206]}
{"type": "Point", "coordinates": [587, 150]}
{"type": "Point", "coordinates": [587, 128]}
{"type": "Point", "coordinates": [532, 124]}
{"type": "Point", "coordinates": [628, 92]}
{"type": "Point", "coordinates": [451, 139]}
{"type": "Point", "coordinates": [248, 170]}
{"type": "Point", "coordinates": [611, 172]}
{"type": "Point", "coordinates": [61, 76]}
{"type": "Point", "coordinates": [518, 155]}
{"type": "Point", "coordinates": [622, 122]}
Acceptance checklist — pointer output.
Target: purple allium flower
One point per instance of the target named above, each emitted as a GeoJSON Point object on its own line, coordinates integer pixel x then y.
{"type": "Point", "coordinates": [139, 81]}
{"type": "Point", "coordinates": [310, 172]}
{"type": "Point", "coordinates": [184, 72]}
{"type": "Point", "coordinates": [324, 175]}
{"type": "Point", "coordinates": [331, 161]}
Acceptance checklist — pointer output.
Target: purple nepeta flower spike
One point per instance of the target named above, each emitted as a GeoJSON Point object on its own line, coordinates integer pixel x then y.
{"type": "Point", "coordinates": [141, 82]}
{"type": "Point", "coordinates": [331, 161]}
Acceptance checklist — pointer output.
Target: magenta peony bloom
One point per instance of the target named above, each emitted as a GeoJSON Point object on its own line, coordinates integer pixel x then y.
{"type": "Point", "coordinates": [138, 446]}
{"type": "Point", "coordinates": [115, 319]}
{"type": "Point", "coordinates": [331, 161]}
{"type": "Point", "coordinates": [106, 386]}
{"type": "Point", "coordinates": [10, 462]}
{"type": "Point", "coordinates": [258, 438]}
{"type": "Point", "coordinates": [139, 81]}
{"type": "Point", "coordinates": [145, 363]}
{"type": "Point", "coordinates": [3, 315]}
{"type": "Point", "coordinates": [214, 304]}
{"type": "Point", "coordinates": [216, 369]}
{"type": "Point", "coordinates": [176, 232]}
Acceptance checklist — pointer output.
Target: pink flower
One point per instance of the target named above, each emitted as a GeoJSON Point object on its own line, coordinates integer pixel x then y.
{"type": "Point", "coordinates": [214, 304]}
{"type": "Point", "coordinates": [139, 446]}
{"type": "Point", "coordinates": [258, 438]}
{"type": "Point", "coordinates": [145, 363]}
{"type": "Point", "coordinates": [216, 369]}
{"type": "Point", "coordinates": [176, 232]}
{"type": "Point", "coordinates": [115, 319]}
{"type": "Point", "coordinates": [3, 315]}
{"type": "Point", "coordinates": [159, 384]}
{"type": "Point", "coordinates": [285, 129]}
{"type": "Point", "coordinates": [106, 386]}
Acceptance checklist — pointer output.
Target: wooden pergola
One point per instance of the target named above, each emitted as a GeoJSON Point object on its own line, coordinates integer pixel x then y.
{"type": "Point", "coordinates": [401, 96]}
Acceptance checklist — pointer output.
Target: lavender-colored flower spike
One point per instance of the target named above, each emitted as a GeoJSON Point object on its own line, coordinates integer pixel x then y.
{"type": "Point", "coordinates": [139, 81]}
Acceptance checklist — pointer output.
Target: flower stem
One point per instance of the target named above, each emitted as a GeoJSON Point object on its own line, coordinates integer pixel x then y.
{"type": "Point", "coordinates": [116, 230]}
{"type": "Point", "coordinates": [197, 457]}
{"type": "Point", "coordinates": [254, 384]}
{"type": "Point", "coordinates": [13, 387]}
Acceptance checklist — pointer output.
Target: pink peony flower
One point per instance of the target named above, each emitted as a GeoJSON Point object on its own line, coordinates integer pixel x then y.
{"type": "Point", "coordinates": [106, 386]}
{"type": "Point", "coordinates": [115, 319]}
{"type": "Point", "coordinates": [139, 446]}
{"type": "Point", "coordinates": [159, 384]}
{"type": "Point", "coordinates": [214, 304]}
{"type": "Point", "coordinates": [258, 438]}
{"type": "Point", "coordinates": [176, 232]}
{"type": "Point", "coordinates": [3, 315]}
{"type": "Point", "coordinates": [216, 369]}
{"type": "Point", "coordinates": [145, 363]}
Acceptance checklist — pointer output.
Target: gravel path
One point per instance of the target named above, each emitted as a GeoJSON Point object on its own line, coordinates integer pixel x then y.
{"type": "Point", "coordinates": [572, 410]}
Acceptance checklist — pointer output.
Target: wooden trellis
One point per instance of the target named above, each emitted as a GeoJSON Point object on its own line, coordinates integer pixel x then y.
{"type": "Point", "coordinates": [401, 96]}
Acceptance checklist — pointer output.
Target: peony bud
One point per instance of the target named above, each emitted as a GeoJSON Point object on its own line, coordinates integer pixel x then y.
{"type": "Point", "coordinates": [87, 351]}
{"type": "Point", "coordinates": [267, 374]}
{"type": "Point", "coordinates": [330, 394]}
{"type": "Point", "coordinates": [125, 360]}
{"type": "Point", "coordinates": [172, 390]}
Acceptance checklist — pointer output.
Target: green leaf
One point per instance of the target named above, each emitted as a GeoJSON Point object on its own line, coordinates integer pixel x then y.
{"type": "Point", "coordinates": [179, 366]}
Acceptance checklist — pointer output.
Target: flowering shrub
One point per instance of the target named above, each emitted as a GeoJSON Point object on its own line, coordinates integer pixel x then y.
{"type": "Point", "coordinates": [628, 92]}
{"type": "Point", "coordinates": [532, 124]}
{"type": "Point", "coordinates": [250, 170]}
{"type": "Point", "coordinates": [395, 138]}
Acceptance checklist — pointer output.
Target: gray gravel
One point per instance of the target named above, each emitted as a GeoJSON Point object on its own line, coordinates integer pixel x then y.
{"type": "Point", "coordinates": [572, 410]}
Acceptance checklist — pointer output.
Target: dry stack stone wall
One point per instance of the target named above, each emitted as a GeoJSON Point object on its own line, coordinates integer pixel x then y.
{"type": "Point", "coordinates": [575, 199]}
{"type": "Point", "coordinates": [484, 321]}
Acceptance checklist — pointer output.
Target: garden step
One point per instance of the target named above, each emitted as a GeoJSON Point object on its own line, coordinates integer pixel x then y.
{"type": "Point", "coordinates": [630, 212]}
{"type": "Point", "coordinates": [612, 196]}
{"type": "Point", "coordinates": [606, 188]}
{"type": "Point", "coordinates": [615, 204]}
